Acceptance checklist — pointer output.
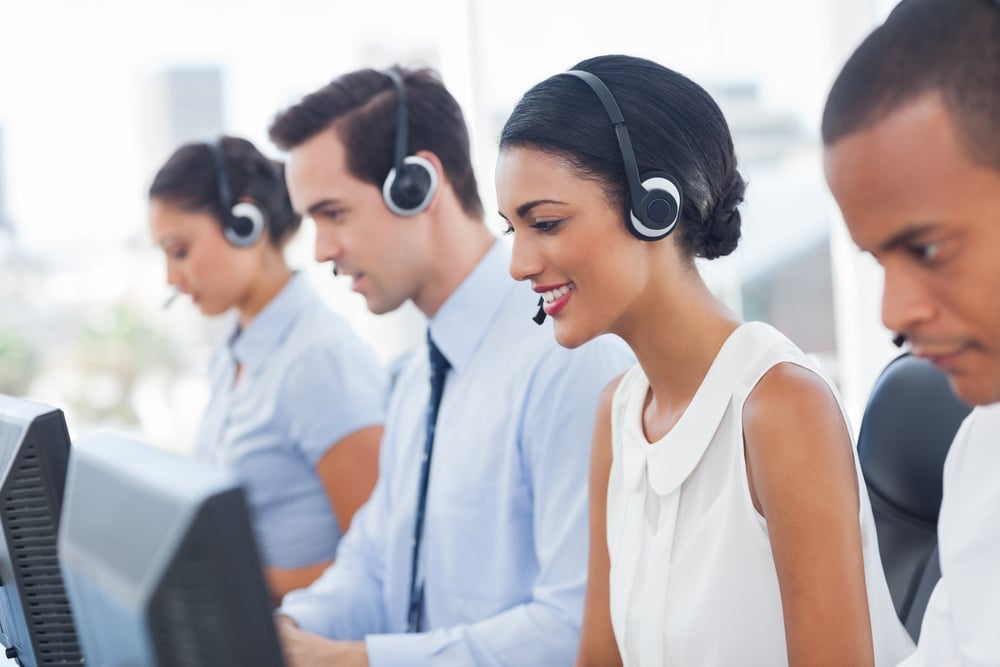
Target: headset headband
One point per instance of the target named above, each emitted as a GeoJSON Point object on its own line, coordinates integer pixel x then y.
{"type": "Point", "coordinates": [221, 179]}
{"type": "Point", "coordinates": [402, 122]}
{"type": "Point", "coordinates": [636, 190]}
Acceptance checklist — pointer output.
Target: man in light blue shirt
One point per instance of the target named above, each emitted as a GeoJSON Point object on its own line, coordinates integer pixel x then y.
{"type": "Point", "coordinates": [502, 555]}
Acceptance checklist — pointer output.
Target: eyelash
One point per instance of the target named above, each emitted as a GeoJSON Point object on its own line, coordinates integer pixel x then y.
{"type": "Point", "coordinates": [547, 226]}
{"type": "Point", "coordinates": [927, 253]}
{"type": "Point", "coordinates": [331, 215]}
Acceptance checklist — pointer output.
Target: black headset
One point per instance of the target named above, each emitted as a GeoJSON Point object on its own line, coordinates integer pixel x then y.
{"type": "Point", "coordinates": [412, 181]}
{"type": "Point", "coordinates": [242, 222]}
{"type": "Point", "coordinates": [655, 201]}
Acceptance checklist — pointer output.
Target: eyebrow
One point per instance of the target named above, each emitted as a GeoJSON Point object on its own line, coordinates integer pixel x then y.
{"type": "Point", "coordinates": [906, 236]}
{"type": "Point", "coordinates": [525, 208]}
{"type": "Point", "coordinates": [320, 204]}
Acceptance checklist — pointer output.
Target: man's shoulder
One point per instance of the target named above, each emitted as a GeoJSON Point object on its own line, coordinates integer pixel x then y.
{"type": "Point", "coordinates": [973, 467]}
{"type": "Point", "coordinates": [318, 324]}
{"type": "Point", "coordinates": [985, 419]}
{"type": "Point", "coordinates": [979, 435]}
{"type": "Point", "coordinates": [602, 358]}
{"type": "Point", "coordinates": [319, 333]}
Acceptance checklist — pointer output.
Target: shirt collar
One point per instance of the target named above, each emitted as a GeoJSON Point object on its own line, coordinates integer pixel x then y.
{"type": "Point", "coordinates": [464, 318]}
{"type": "Point", "coordinates": [252, 346]}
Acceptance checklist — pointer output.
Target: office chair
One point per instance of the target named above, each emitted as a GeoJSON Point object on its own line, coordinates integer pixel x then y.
{"type": "Point", "coordinates": [906, 431]}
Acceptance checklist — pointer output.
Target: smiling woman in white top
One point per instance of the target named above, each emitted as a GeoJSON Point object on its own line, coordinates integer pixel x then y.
{"type": "Point", "coordinates": [729, 523]}
{"type": "Point", "coordinates": [297, 401]}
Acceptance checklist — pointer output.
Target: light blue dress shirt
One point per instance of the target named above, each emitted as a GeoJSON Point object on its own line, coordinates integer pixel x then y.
{"type": "Point", "coordinates": [504, 551]}
{"type": "Point", "coordinates": [308, 381]}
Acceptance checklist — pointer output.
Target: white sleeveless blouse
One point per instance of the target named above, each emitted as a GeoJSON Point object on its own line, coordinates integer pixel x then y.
{"type": "Point", "coordinates": [693, 581]}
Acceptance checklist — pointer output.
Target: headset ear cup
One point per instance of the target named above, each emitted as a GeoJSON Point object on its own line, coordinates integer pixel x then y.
{"type": "Point", "coordinates": [656, 215]}
{"type": "Point", "coordinates": [245, 225]}
{"type": "Point", "coordinates": [408, 191]}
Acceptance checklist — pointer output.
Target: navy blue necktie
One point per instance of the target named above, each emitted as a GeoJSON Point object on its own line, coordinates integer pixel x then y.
{"type": "Point", "coordinates": [439, 368]}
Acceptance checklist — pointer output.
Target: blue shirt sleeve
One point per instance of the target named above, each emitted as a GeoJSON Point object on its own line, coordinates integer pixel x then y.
{"type": "Point", "coordinates": [332, 391]}
{"type": "Point", "coordinates": [558, 419]}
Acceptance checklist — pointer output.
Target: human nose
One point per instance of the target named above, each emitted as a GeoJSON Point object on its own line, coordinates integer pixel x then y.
{"type": "Point", "coordinates": [525, 261]}
{"type": "Point", "coordinates": [173, 273]}
{"type": "Point", "coordinates": [327, 246]}
{"type": "Point", "coordinates": [906, 303]}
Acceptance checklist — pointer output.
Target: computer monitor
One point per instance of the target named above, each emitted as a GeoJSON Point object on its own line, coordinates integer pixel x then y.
{"type": "Point", "coordinates": [160, 562]}
{"type": "Point", "coordinates": [36, 624]}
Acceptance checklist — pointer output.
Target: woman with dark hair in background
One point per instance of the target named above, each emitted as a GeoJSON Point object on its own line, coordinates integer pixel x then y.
{"type": "Point", "coordinates": [729, 523]}
{"type": "Point", "coordinates": [297, 399]}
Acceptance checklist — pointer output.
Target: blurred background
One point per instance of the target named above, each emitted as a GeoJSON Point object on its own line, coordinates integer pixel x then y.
{"type": "Point", "coordinates": [95, 94]}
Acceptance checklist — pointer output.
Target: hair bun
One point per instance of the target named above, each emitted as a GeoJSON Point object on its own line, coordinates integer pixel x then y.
{"type": "Point", "coordinates": [721, 229]}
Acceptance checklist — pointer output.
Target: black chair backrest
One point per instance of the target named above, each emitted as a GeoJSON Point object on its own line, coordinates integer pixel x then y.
{"type": "Point", "coordinates": [910, 420]}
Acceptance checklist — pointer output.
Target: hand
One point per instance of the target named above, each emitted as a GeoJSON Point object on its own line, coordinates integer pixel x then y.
{"type": "Point", "coordinates": [304, 649]}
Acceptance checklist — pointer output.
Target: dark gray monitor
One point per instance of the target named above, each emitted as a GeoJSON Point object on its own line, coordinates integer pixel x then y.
{"type": "Point", "coordinates": [160, 562]}
{"type": "Point", "coordinates": [36, 624]}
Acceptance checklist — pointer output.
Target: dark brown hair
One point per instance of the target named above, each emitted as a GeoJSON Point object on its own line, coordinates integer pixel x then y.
{"type": "Point", "coordinates": [361, 108]}
{"type": "Point", "coordinates": [188, 179]}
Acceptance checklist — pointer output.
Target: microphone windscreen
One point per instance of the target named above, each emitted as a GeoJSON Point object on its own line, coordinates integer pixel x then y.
{"type": "Point", "coordinates": [170, 300]}
{"type": "Point", "coordinates": [540, 315]}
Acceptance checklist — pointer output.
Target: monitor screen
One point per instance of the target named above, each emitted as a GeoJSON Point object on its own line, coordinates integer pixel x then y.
{"type": "Point", "coordinates": [160, 562]}
{"type": "Point", "coordinates": [36, 624]}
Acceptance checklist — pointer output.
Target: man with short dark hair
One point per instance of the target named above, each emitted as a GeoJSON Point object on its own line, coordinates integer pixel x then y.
{"type": "Point", "coordinates": [472, 548]}
{"type": "Point", "coordinates": [912, 135]}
